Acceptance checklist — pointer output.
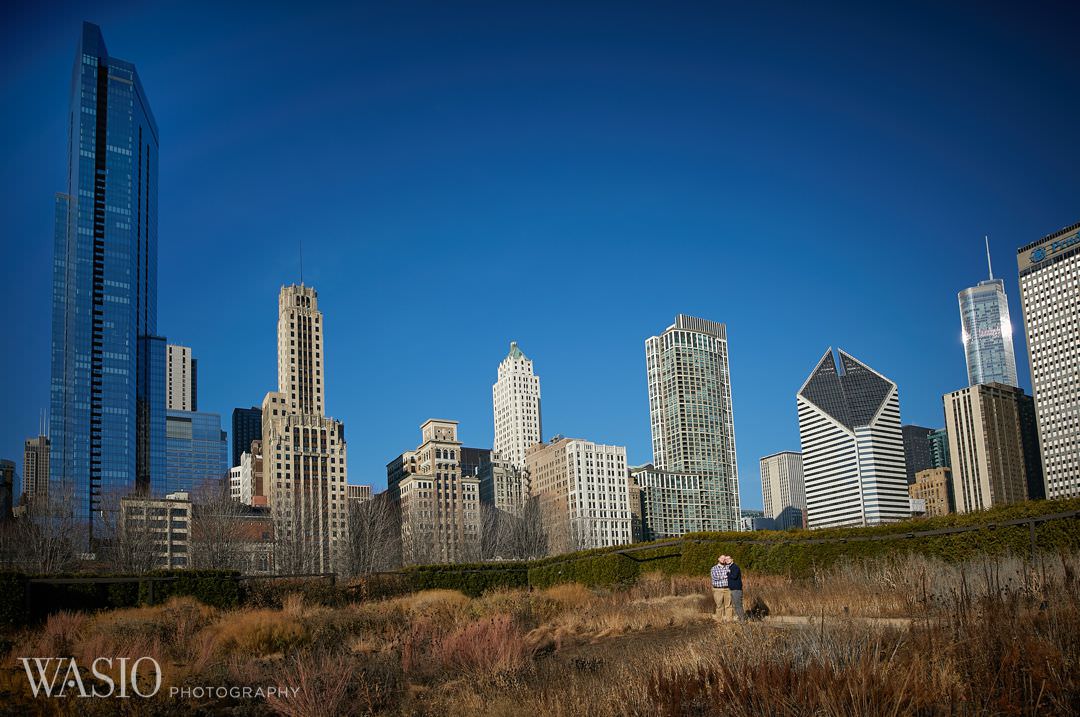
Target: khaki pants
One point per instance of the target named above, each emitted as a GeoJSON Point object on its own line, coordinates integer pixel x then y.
{"type": "Point", "coordinates": [725, 608]}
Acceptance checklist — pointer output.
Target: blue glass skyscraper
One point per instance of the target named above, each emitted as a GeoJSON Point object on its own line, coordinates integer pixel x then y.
{"type": "Point", "coordinates": [107, 391]}
{"type": "Point", "coordinates": [197, 451]}
{"type": "Point", "coordinates": [987, 332]}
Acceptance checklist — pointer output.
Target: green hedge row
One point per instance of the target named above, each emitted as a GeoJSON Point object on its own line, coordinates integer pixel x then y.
{"type": "Point", "coordinates": [22, 601]}
{"type": "Point", "coordinates": [471, 579]}
{"type": "Point", "coordinates": [788, 552]}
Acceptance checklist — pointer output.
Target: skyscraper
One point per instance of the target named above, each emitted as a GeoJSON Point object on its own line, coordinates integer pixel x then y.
{"type": "Point", "coordinates": [197, 451]}
{"type": "Point", "coordinates": [246, 427]}
{"type": "Point", "coordinates": [440, 508]}
{"type": "Point", "coordinates": [516, 400]}
{"type": "Point", "coordinates": [987, 331]}
{"type": "Point", "coordinates": [917, 454]}
{"type": "Point", "coordinates": [987, 424]}
{"type": "Point", "coordinates": [107, 392]}
{"type": "Point", "coordinates": [939, 449]}
{"type": "Point", "coordinates": [303, 451]}
{"type": "Point", "coordinates": [1050, 296]}
{"type": "Point", "coordinates": [852, 445]}
{"type": "Point", "coordinates": [36, 468]}
{"type": "Point", "coordinates": [181, 379]}
{"type": "Point", "coordinates": [783, 489]}
{"type": "Point", "coordinates": [693, 426]}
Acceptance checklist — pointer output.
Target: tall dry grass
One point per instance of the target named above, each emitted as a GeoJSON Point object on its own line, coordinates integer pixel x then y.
{"type": "Point", "coordinates": [989, 637]}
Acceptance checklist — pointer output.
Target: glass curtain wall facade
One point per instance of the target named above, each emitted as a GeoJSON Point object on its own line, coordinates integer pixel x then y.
{"type": "Point", "coordinates": [693, 428]}
{"type": "Point", "coordinates": [246, 427]}
{"type": "Point", "coordinates": [107, 430]}
{"type": "Point", "coordinates": [987, 334]}
{"type": "Point", "coordinates": [197, 451]}
{"type": "Point", "coordinates": [939, 449]}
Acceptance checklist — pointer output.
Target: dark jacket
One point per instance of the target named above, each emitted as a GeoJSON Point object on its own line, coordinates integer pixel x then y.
{"type": "Point", "coordinates": [734, 577]}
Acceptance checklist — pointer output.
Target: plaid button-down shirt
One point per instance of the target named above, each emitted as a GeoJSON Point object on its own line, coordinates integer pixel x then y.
{"type": "Point", "coordinates": [719, 575]}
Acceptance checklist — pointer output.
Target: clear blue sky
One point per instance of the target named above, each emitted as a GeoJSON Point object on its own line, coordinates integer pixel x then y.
{"type": "Point", "coordinates": [568, 175]}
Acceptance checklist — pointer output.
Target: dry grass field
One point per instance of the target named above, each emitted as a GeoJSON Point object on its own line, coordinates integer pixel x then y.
{"type": "Point", "coordinates": [999, 637]}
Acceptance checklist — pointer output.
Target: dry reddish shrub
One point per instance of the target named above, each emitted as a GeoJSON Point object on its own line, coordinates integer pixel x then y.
{"type": "Point", "coordinates": [322, 682]}
{"type": "Point", "coordinates": [485, 649]}
{"type": "Point", "coordinates": [60, 635]}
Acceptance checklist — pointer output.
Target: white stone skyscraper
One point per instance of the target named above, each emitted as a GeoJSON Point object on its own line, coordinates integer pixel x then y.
{"type": "Point", "coordinates": [852, 445]}
{"type": "Point", "coordinates": [1050, 296]}
{"type": "Point", "coordinates": [516, 400]}
{"type": "Point", "coordinates": [987, 331]}
{"type": "Point", "coordinates": [693, 426]}
{"type": "Point", "coordinates": [304, 452]}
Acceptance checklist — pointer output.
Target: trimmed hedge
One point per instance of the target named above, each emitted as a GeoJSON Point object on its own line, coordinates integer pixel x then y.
{"type": "Point", "coordinates": [22, 602]}
{"type": "Point", "coordinates": [471, 579]}
{"type": "Point", "coordinates": [791, 552]}
{"type": "Point", "coordinates": [603, 568]}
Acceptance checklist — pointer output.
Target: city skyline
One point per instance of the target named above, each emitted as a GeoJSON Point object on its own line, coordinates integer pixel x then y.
{"type": "Point", "coordinates": [366, 388]}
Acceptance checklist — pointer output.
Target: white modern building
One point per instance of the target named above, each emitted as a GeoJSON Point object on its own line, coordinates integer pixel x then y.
{"type": "Point", "coordinates": [584, 493]}
{"type": "Point", "coordinates": [690, 413]}
{"type": "Point", "coordinates": [1050, 297]}
{"type": "Point", "coordinates": [242, 480]}
{"type": "Point", "coordinates": [304, 452]}
{"type": "Point", "coordinates": [516, 400]}
{"type": "Point", "coordinates": [987, 331]}
{"type": "Point", "coordinates": [852, 445]}
{"type": "Point", "coordinates": [783, 489]}
{"type": "Point", "coordinates": [181, 379]}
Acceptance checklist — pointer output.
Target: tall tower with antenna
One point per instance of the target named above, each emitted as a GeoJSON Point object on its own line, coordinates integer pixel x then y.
{"type": "Point", "coordinates": [987, 330]}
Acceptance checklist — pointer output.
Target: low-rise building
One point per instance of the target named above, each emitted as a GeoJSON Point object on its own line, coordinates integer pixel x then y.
{"type": "Point", "coordinates": [163, 523]}
{"type": "Point", "coordinates": [934, 485]}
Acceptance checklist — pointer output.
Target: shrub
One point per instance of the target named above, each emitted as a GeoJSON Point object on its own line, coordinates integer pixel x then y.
{"type": "Point", "coordinates": [488, 648]}
{"type": "Point", "coordinates": [259, 632]}
{"type": "Point", "coordinates": [471, 579]}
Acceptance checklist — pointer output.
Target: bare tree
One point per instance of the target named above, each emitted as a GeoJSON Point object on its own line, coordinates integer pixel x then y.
{"type": "Point", "coordinates": [219, 530]}
{"type": "Point", "coordinates": [506, 536]}
{"type": "Point", "coordinates": [529, 538]}
{"type": "Point", "coordinates": [290, 553]}
{"type": "Point", "coordinates": [46, 539]}
{"type": "Point", "coordinates": [374, 542]}
{"type": "Point", "coordinates": [496, 533]}
{"type": "Point", "coordinates": [419, 545]}
{"type": "Point", "coordinates": [131, 534]}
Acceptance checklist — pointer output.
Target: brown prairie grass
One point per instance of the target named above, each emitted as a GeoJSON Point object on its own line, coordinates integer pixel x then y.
{"type": "Point", "coordinates": [990, 637]}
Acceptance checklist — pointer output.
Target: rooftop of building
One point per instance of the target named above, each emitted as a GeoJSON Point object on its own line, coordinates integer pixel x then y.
{"type": "Point", "coordinates": [1051, 235]}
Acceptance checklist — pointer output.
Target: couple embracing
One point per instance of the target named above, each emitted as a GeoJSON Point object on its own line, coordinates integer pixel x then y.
{"type": "Point", "coordinates": [727, 590]}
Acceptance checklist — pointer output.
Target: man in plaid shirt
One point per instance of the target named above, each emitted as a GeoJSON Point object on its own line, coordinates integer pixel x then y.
{"type": "Point", "coordinates": [726, 580]}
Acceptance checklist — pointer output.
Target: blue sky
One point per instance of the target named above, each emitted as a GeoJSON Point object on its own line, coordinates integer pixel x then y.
{"type": "Point", "coordinates": [567, 175]}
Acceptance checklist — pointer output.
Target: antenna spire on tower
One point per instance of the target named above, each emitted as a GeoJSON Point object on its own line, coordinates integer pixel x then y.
{"type": "Point", "coordinates": [989, 266]}
{"type": "Point", "coordinates": [301, 261]}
